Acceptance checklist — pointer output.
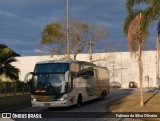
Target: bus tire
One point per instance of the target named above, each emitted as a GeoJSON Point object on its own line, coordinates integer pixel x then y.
{"type": "Point", "coordinates": [50, 108]}
{"type": "Point", "coordinates": [102, 95]}
{"type": "Point", "coordinates": [105, 94]}
{"type": "Point", "coordinates": [79, 101]}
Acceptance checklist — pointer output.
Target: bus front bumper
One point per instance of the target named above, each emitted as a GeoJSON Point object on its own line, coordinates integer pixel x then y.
{"type": "Point", "coordinates": [62, 103]}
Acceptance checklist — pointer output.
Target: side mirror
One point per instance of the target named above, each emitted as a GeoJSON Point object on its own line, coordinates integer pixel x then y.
{"type": "Point", "coordinates": [26, 79]}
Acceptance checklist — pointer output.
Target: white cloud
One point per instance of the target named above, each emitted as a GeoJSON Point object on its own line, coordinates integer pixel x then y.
{"type": "Point", "coordinates": [7, 14]}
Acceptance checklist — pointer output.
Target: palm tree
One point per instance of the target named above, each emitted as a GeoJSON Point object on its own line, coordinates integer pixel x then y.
{"type": "Point", "coordinates": [136, 43]}
{"type": "Point", "coordinates": [136, 25]}
{"type": "Point", "coordinates": [149, 13]}
{"type": "Point", "coordinates": [7, 56]}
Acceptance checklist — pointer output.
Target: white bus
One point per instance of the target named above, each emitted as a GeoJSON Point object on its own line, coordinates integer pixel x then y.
{"type": "Point", "coordinates": [66, 83]}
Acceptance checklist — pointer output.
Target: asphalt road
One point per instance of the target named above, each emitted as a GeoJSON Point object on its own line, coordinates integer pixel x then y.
{"type": "Point", "coordinates": [92, 108]}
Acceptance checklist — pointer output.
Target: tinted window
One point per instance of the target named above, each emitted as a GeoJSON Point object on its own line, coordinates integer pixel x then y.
{"type": "Point", "coordinates": [51, 67]}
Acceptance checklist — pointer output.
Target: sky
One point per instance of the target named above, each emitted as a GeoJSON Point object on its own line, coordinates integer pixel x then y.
{"type": "Point", "coordinates": [22, 21]}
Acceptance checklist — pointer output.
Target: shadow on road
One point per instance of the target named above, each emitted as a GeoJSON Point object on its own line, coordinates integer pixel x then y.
{"type": "Point", "coordinates": [83, 105]}
{"type": "Point", "coordinates": [92, 113]}
{"type": "Point", "coordinates": [118, 95]}
{"type": "Point", "coordinates": [150, 98]}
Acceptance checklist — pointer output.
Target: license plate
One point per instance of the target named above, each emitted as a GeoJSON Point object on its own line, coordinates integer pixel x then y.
{"type": "Point", "coordinates": [47, 104]}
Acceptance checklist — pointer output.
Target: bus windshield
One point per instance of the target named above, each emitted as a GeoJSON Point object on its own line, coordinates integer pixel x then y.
{"type": "Point", "coordinates": [49, 79]}
{"type": "Point", "coordinates": [48, 84]}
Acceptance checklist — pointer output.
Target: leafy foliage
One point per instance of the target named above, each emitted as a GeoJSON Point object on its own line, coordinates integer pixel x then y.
{"type": "Point", "coordinates": [52, 33]}
{"type": "Point", "coordinates": [135, 28]}
{"type": "Point", "coordinates": [148, 14]}
{"type": "Point", "coordinates": [7, 56]}
{"type": "Point", "coordinates": [134, 36]}
{"type": "Point", "coordinates": [80, 34]}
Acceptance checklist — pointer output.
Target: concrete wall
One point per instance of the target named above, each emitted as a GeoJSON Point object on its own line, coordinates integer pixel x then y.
{"type": "Point", "coordinates": [122, 67]}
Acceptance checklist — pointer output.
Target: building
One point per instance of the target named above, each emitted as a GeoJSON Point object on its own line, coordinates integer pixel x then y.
{"type": "Point", "coordinates": [123, 68]}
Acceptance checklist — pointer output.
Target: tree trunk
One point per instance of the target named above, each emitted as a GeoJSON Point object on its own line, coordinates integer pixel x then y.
{"type": "Point", "coordinates": [140, 64]}
{"type": "Point", "coordinates": [74, 56]}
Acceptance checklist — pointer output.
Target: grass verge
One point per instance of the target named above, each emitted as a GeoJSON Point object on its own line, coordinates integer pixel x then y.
{"type": "Point", "coordinates": [131, 103]}
{"type": "Point", "coordinates": [19, 101]}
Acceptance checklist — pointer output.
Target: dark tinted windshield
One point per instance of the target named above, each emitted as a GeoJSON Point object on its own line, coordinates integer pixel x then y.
{"type": "Point", "coordinates": [48, 84]}
{"type": "Point", "coordinates": [51, 68]}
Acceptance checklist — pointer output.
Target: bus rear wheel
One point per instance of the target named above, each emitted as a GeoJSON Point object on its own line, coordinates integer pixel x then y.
{"type": "Point", "coordinates": [79, 101]}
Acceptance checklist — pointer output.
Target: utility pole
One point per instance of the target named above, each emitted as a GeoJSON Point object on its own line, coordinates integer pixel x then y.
{"type": "Point", "coordinates": [68, 51]}
{"type": "Point", "coordinates": [121, 71]}
{"type": "Point", "coordinates": [117, 69]}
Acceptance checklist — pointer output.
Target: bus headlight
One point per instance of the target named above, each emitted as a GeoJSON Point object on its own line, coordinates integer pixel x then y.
{"type": "Point", "coordinates": [33, 99]}
{"type": "Point", "coordinates": [63, 98]}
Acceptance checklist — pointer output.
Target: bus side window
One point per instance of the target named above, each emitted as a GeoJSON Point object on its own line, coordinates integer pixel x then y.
{"type": "Point", "coordinates": [70, 84]}
{"type": "Point", "coordinates": [91, 73]}
{"type": "Point", "coordinates": [88, 74]}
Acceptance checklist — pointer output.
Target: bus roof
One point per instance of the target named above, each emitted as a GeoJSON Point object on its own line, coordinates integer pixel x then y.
{"type": "Point", "coordinates": [65, 61]}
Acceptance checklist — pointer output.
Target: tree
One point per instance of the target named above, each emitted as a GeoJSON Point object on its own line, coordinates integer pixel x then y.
{"type": "Point", "coordinates": [80, 35]}
{"type": "Point", "coordinates": [136, 27]}
{"type": "Point", "coordinates": [132, 30]}
{"type": "Point", "coordinates": [149, 13]}
{"type": "Point", "coordinates": [7, 56]}
{"type": "Point", "coordinates": [136, 43]}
